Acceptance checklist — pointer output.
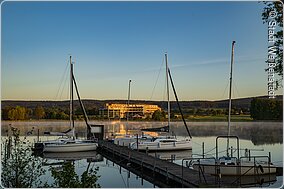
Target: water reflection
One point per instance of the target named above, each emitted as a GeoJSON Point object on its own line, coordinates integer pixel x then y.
{"type": "Point", "coordinates": [109, 174]}
{"type": "Point", "coordinates": [65, 176]}
{"type": "Point", "coordinates": [258, 132]}
{"type": "Point", "coordinates": [91, 156]}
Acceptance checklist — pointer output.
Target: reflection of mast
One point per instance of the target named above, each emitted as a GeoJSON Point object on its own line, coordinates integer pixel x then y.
{"type": "Point", "coordinates": [128, 99]}
{"type": "Point", "coordinates": [230, 97]}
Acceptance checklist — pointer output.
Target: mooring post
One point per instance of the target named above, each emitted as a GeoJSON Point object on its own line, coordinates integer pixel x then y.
{"type": "Point", "coordinates": [249, 155]}
{"type": "Point", "coordinates": [5, 150]}
{"type": "Point", "coordinates": [137, 142]}
{"type": "Point", "coordinates": [203, 149]}
{"type": "Point", "coordinates": [37, 135]}
{"type": "Point", "coordinates": [9, 147]}
{"type": "Point", "coordinates": [147, 150]}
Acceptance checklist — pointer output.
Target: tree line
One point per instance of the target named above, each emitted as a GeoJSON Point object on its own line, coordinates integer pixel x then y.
{"type": "Point", "coordinates": [266, 109]}
{"type": "Point", "coordinates": [23, 113]}
{"type": "Point", "coordinates": [261, 109]}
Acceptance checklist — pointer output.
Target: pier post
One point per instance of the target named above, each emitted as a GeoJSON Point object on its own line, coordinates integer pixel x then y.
{"type": "Point", "coordinates": [37, 135]}
{"type": "Point", "coordinates": [249, 155]}
{"type": "Point", "coordinates": [137, 142]}
{"type": "Point", "coordinates": [203, 149]}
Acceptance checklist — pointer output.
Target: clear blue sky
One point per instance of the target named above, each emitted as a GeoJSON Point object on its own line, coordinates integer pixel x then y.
{"type": "Point", "coordinates": [112, 42]}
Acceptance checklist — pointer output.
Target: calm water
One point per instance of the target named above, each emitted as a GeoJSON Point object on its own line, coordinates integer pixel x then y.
{"type": "Point", "coordinates": [261, 138]}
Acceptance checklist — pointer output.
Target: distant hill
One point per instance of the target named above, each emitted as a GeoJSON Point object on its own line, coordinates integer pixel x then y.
{"type": "Point", "coordinates": [97, 104]}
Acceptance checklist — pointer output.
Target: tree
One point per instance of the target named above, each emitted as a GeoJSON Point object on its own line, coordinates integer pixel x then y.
{"type": "Point", "coordinates": [266, 109]}
{"type": "Point", "coordinates": [17, 113]}
{"type": "Point", "coordinates": [157, 115]}
{"type": "Point", "coordinates": [5, 112]}
{"type": "Point", "coordinates": [276, 7]}
{"type": "Point", "coordinates": [39, 112]}
{"type": "Point", "coordinates": [19, 168]}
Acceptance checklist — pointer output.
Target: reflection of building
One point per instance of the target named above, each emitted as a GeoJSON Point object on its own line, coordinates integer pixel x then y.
{"type": "Point", "coordinates": [133, 110]}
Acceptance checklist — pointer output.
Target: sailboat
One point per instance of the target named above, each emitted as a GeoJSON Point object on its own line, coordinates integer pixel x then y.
{"type": "Point", "coordinates": [234, 166]}
{"type": "Point", "coordinates": [71, 144]}
{"type": "Point", "coordinates": [127, 139]}
{"type": "Point", "coordinates": [165, 143]}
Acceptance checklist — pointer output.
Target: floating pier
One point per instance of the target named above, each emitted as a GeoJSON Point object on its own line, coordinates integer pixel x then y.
{"type": "Point", "coordinates": [159, 172]}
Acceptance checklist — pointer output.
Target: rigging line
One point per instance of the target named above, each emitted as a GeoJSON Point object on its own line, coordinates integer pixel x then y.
{"type": "Point", "coordinates": [63, 88]}
{"type": "Point", "coordinates": [61, 81]}
{"type": "Point", "coordinates": [225, 89]}
{"type": "Point", "coordinates": [235, 86]}
{"type": "Point", "coordinates": [196, 143]}
{"type": "Point", "coordinates": [210, 150]}
{"type": "Point", "coordinates": [157, 80]}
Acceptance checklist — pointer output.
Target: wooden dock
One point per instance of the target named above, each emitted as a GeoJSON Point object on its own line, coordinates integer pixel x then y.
{"type": "Point", "coordinates": [159, 172]}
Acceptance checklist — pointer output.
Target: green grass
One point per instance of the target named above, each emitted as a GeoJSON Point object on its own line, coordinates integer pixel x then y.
{"type": "Point", "coordinates": [220, 118]}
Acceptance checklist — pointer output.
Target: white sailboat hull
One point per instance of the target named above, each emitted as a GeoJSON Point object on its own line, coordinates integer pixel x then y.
{"type": "Point", "coordinates": [124, 141]}
{"type": "Point", "coordinates": [236, 170]}
{"type": "Point", "coordinates": [70, 147]}
{"type": "Point", "coordinates": [163, 146]}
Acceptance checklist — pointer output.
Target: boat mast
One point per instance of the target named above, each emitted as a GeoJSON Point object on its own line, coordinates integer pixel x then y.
{"type": "Point", "coordinates": [230, 97]}
{"type": "Point", "coordinates": [71, 99]}
{"type": "Point", "coordinates": [168, 93]}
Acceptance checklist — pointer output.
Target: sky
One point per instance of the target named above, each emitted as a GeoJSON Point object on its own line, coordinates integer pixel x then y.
{"type": "Point", "coordinates": [112, 42]}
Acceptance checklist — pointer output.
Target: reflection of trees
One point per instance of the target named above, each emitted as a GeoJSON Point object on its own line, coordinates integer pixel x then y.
{"type": "Point", "coordinates": [19, 168]}
{"type": "Point", "coordinates": [67, 177]}
{"type": "Point", "coordinates": [260, 136]}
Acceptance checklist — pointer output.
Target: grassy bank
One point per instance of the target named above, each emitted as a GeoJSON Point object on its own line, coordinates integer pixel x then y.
{"type": "Point", "coordinates": [234, 118]}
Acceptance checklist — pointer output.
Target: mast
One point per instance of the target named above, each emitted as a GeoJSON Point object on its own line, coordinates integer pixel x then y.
{"type": "Point", "coordinates": [230, 97]}
{"type": "Point", "coordinates": [71, 99]}
{"type": "Point", "coordinates": [168, 93]}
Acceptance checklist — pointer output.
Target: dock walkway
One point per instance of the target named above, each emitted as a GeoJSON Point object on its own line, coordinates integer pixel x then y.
{"type": "Point", "coordinates": [154, 169]}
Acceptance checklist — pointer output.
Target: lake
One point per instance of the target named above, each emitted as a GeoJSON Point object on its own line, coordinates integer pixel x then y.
{"type": "Point", "coordinates": [260, 137]}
